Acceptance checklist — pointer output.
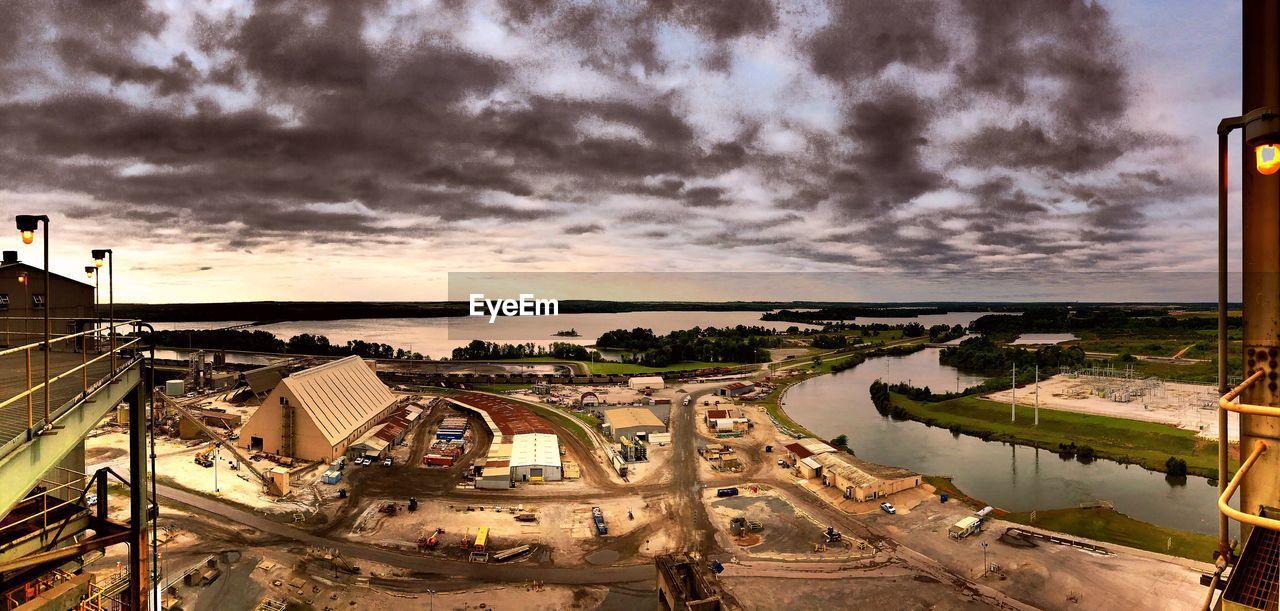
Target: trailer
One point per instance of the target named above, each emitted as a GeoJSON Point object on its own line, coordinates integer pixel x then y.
{"type": "Point", "coordinates": [597, 516]}
{"type": "Point", "coordinates": [965, 527]}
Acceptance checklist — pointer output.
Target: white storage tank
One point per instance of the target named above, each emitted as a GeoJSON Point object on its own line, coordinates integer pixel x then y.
{"type": "Point", "coordinates": [175, 388]}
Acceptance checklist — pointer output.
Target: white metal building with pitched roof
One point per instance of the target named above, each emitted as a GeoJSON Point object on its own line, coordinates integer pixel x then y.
{"type": "Point", "coordinates": [535, 457]}
{"type": "Point", "coordinates": [314, 414]}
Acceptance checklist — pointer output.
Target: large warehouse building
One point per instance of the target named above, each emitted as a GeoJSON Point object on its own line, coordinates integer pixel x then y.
{"type": "Point", "coordinates": [535, 457]}
{"type": "Point", "coordinates": [314, 414]}
{"type": "Point", "coordinates": [630, 421]}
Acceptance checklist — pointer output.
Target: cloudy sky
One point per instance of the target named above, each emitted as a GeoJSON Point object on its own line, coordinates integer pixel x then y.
{"type": "Point", "coordinates": [232, 150]}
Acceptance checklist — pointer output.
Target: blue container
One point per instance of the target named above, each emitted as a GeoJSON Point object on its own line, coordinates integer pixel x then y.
{"type": "Point", "coordinates": [945, 496]}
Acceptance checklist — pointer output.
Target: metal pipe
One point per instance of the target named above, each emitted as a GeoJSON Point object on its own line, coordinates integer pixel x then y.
{"type": "Point", "coordinates": [1260, 260]}
{"type": "Point", "coordinates": [1224, 501]}
{"type": "Point", "coordinates": [1224, 525]}
{"type": "Point", "coordinates": [48, 303]}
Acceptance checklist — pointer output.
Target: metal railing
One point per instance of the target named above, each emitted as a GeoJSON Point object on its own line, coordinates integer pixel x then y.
{"type": "Point", "coordinates": [76, 486]}
{"type": "Point", "coordinates": [74, 384]}
{"type": "Point", "coordinates": [82, 368]}
{"type": "Point", "coordinates": [1226, 402]}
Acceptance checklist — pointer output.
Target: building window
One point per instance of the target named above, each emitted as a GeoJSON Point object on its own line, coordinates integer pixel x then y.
{"type": "Point", "coordinates": [37, 301]}
{"type": "Point", "coordinates": [4, 301]}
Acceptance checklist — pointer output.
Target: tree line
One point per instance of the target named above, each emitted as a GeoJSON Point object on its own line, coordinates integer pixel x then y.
{"type": "Point", "coordinates": [479, 350]}
{"type": "Point", "coordinates": [264, 341]}
{"type": "Point", "coordinates": [981, 354]}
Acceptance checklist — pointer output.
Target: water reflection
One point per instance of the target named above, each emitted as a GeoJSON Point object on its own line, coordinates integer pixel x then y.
{"type": "Point", "coordinates": [1013, 477]}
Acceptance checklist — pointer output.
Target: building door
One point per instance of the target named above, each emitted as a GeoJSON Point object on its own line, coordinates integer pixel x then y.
{"type": "Point", "coordinates": [255, 444]}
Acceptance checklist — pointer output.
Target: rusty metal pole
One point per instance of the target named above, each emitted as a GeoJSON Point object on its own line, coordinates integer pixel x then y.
{"type": "Point", "coordinates": [138, 503]}
{"type": "Point", "coordinates": [1260, 240]}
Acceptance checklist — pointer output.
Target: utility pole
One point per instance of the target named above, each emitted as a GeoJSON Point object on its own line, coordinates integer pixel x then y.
{"type": "Point", "coordinates": [1013, 389]}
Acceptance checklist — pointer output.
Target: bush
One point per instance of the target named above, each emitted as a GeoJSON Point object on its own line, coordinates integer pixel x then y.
{"type": "Point", "coordinates": [1175, 467]}
{"type": "Point", "coordinates": [1085, 454]}
{"type": "Point", "coordinates": [841, 441]}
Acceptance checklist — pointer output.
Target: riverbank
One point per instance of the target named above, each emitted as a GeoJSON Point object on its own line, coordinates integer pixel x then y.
{"type": "Point", "coordinates": [1100, 523]}
{"type": "Point", "coordinates": [774, 401]}
{"type": "Point", "coordinates": [1146, 444]}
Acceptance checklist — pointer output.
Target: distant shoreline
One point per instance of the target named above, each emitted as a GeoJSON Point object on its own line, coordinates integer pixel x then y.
{"type": "Point", "coordinates": [267, 312]}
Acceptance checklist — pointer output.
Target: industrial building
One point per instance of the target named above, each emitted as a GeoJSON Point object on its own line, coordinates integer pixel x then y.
{"type": "Point", "coordinates": [646, 383]}
{"type": "Point", "coordinates": [737, 389]}
{"type": "Point", "coordinates": [535, 457]}
{"type": "Point", "coordinates": [524, 447]}
{"type": "Point", "coordinates": [855, 478]}
{"type": "Point", "coordinates": [72, 302]}
{"type": "Point", "coordinates": [727, 420]}
{"type": "Point", "coordinates": [589, 399]}
{"type": "Point", "coordinates": [314, 414]}
{"type": "Point", "coordinates": [632, 422]}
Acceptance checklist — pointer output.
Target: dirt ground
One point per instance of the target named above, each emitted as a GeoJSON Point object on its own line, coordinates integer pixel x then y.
{"type": "Point", "coordinates": [564, 528]}
{"type": "Point", "coordinates": [175, 463]}
{"type": "Point", "coordinates": [1048, 576]}
{"type": "Point", "coordinates": [789, 532]}
{"type": "Point", "coordinates": [786, 589]}
{"type": "Point", "coordinates": [1187, 406]}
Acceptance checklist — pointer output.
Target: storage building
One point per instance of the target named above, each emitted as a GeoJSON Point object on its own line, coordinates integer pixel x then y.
{"type": "Point", "coordinates": [315, 414]}
{"type": "Point", "coordinates": [736, 389]}
{"type": "Point", "coordinates": [535, 457]}
{"type": "Point", "coordinates": [632, 421]}
{"type": "Point", "coordinates": [645, 383]}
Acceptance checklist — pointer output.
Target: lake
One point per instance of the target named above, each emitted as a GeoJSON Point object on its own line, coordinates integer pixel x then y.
{"type": "Point", "coordinates": [1016, 478]}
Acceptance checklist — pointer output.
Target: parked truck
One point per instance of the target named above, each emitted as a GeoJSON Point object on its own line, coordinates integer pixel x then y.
{"type": "Point", "coordinates": [597, 516]}
{"type": "Point", "coordinates": [723, 492]}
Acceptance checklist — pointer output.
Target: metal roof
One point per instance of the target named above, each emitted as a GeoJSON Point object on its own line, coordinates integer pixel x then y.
{"type": "Point", "coordinates": [535, 450]}
{"type": "Point", "coordinates": [510, 417]}
{"type": "Point", "coordinates": [627, 417]}
{"type": "Point", "coordinates": [340, 396]}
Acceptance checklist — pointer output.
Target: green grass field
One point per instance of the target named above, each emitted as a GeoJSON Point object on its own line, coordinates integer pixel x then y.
{"type": "Point", "coordinates": [1111, 526]}
{"type": "Point", "coordinates": [1128, 441]}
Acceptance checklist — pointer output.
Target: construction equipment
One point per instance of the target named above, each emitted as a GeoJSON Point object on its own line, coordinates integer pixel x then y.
{"type": "Point", "coordinates": [240, 458]}
{"type": "Point", "coordinates": [202, 457]}
{"type": "Point", "coordinates": [432, 541]}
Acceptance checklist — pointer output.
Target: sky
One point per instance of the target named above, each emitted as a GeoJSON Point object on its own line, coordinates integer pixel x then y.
{"type": "Point", "coordinates": [231, 150]}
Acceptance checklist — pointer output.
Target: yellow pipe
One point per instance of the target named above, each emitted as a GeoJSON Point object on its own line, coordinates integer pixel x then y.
{"type": "Point", "coordinates": [1225, 402]}
{"type": "Point", "coordinates": [1224, 501]}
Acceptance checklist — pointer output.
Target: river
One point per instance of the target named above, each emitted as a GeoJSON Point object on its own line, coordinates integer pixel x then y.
{"type": "Point", "coordinates": [1016, 478]}
{"type": "Point", "coordinates": [437, 337]}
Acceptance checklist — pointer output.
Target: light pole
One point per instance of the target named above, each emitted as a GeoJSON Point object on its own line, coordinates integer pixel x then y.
{"type": "Point", "coordinates": [28, 224]}
{"type": "Point", "coordinates": [984, 558]}
{"type": "Point", "coordinates": [432, 605]}
{"type": "Point", "coordinates": [98, 256]}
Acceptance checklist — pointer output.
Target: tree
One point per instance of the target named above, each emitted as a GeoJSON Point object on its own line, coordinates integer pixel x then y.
{"type": "Point", "coordinates": [841, 441]}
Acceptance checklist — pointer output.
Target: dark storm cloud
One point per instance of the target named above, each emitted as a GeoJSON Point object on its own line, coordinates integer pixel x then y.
{"type": "Point", "coordinates": [865, 36]}
{"type": "Point", "coordinates": [324, 119]}
{"type": "Point", "coordinates": [583, 229]}
{"type": "Point", "coordinates": [889, 168]}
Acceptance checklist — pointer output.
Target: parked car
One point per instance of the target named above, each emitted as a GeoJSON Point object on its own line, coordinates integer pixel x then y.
{"type": "Point", "coordinates": [90, 499]}
{"type": "Point", "coordinates": [365, 461]}
{"type": "Point", "coordinates": [386, 462]}
{"type": "Point", "coordinates": [889, 508]}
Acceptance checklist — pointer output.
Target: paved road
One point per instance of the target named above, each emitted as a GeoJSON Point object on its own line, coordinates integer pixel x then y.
{"type": "Point", "coordinates": [423, 565]}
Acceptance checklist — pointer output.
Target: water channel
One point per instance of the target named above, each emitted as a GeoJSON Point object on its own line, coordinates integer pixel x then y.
{"type": "Point", "coordinates": [1016, 478]}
